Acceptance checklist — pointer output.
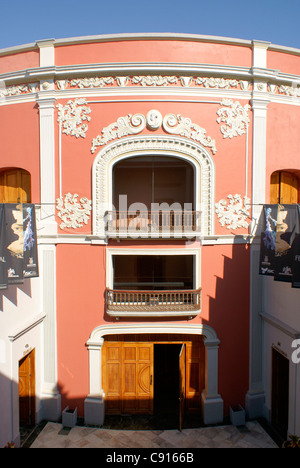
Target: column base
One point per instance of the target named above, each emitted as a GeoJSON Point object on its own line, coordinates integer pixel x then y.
{"type": "Point", "coordinates": [255, 405]}
{"type": "Point", "coordinates": [94, 410]}
{"type": "Point", "coordinates": [212, 409]}
{"type": "Point", "coordinates": [51, 407]}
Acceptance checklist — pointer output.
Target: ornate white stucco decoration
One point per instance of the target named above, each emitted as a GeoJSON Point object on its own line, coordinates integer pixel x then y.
{"type": "Point", "coordinates": [234, 214]}
{"type": "Point", "coordinates": [157, 81]}
{"type": "Point", "coordinates": [73, 213]}
{"type": "Point", "coordinates": [235, 116]}
{"type": "Point", "coordinates": [92, 82]}
{"type": "Point", "coordinates": [72, 115]}
{"type": "Point", "coordinates": [140, 145]}
{"type": "Point", "coordinates": [171, 123]}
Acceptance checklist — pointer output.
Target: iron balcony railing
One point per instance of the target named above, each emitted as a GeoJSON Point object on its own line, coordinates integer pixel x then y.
{"type": "Point", "coordinates": [159, 301]}
{"type": "Point", "coordinates": [153, 222]}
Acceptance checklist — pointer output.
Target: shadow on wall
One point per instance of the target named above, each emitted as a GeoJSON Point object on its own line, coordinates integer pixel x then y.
{"type": "Point", "coordinates": [228, 314]}
{"type": "Point", "coordinates": [11, 293]}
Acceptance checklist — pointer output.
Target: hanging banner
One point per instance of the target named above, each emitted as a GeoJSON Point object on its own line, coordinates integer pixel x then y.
{"type": "Point", "coordinates": [286, 229]}
{"type": "Point", "coordinates": [30, 253]}
{"type": "Point", "coordinates": [296, 255]}
{"type": "Point", "coordinates": [268, 240]}
{"type": "Point", "coordinates": [14, 242]}
{"type": "Point", "coordinates": [3, 265]}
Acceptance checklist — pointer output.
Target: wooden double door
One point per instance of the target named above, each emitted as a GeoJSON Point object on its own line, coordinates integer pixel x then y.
{"type": "Point", "coordinates": [150, 377]}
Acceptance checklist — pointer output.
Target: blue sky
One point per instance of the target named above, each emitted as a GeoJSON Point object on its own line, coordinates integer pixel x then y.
{"type": "Point", "coordinates": [25, 21]}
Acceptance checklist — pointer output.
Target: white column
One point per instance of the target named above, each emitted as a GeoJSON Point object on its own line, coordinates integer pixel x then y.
{"type": "Point", "coordinates": [255, 397]}
{"type": "Point", "coordinates": [47, 166]}
{"type": "Point", "coordinates": [212, 403]}
{"type": "Point", "coordinates": [46, 227]}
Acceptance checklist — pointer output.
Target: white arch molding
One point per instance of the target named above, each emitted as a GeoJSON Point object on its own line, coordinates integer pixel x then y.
{"type": "Point", "coordinates": [212, 403]}
{"type": "Point", "coordinates": [194, 153]}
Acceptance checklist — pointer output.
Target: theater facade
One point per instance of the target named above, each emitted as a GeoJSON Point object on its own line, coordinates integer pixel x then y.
{"type": "Point", "coordinates": [149, 162]}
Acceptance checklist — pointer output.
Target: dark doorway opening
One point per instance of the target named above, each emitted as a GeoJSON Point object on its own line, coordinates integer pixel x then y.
{"type": "Point", "coordinates": [166, 380]}
{"type": "Point", "coordinates": [280, 393]}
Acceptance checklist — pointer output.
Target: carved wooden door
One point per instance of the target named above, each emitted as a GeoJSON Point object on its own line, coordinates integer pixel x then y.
{"type": "Point", "coordinates": [128, 377]}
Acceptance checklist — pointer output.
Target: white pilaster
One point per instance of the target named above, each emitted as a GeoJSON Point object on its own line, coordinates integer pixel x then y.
{"type": "Point", "coordinates": [212, 403]}
{"type": "Point", "coordinates": [260, 53]}
{"type": "Point", "coordinates": [47, 164]}
{"type": "Point", "coordinates": [47, 52]}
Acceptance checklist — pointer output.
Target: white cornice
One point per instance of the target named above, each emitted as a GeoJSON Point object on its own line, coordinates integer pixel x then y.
{"type": "Point", "coordinates": [148, 37]}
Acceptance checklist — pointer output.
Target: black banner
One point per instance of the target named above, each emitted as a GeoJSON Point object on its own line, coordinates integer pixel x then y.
{"type": "Point", "coordinates": [18, 243]}
{"type": "Point", "coordinates": [286, 230]}
{"type": "Point", "coordinates": [30, 253]}
{"type": "Point", "coordinates": [14, 242]}
{"type": "Point", "coordinates": [268, 241]}
{"type": "Point", "coordinates": [3, 266]}
{"type": "Point", "coordinates": [296, 255]}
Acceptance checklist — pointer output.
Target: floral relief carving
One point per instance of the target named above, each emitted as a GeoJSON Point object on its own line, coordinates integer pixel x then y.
{"type": "Point", "coordinates": [172, 124]}
{"type": "Point", "coordinates": [153, 81]}
{"type": "Point", "coordinates": [219, 83]}
{"type": "Point", "coordinates": [235, 116]}
{"type": "Point", "coordinates": [71, 117]}
{"type": "Point", "coordinates": [234, 214]}
{"type": "Point", "coordinates": [72, 212]}
{"type": "Point", "coordinates": [92, 82]}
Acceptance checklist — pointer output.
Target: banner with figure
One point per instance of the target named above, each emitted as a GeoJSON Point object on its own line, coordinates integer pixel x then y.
{"type": "Point", "coordinates": [268, 240]}
{"type": "Point", "coordinates": [3, 265]}
{"type": "Point", "coordinates": [286, 229]}
{"type": "Point", "coordinates": [30, 253]}
{"type": "Point", "coordinates": [14, 242]}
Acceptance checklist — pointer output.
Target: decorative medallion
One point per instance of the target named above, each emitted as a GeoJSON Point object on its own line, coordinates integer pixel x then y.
{"type": "Point", "coordinates": [235, 214]}
{"type": "Point", "coordinates": [171, 123]}
{"type": "Point", "coordinates": [71, 117]}
{"type": "Point", "coordinates": [73, 213]}
{"type": "Point", "coordinates": [235, 117]}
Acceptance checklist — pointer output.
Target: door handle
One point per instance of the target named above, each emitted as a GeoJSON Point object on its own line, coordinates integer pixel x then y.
{"type": "Point", "coordinates": [150, 379]}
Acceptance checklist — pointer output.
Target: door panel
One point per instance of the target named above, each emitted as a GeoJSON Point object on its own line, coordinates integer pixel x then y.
{"type": "Point", "coordinates": [15, 186]}
{"type": "Point", "coordinates": [129, 390]}
{"type": "Point", "coordinates": [27, 390]}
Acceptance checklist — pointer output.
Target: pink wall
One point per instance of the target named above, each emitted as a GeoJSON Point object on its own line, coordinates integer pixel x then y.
{"type": "Point", "coordinates": [153, 51]}
{"type": "Point", "coordinates": [284, 62]}
{"type": "Point", "coordinates": [80, 308]}
{"type": "Point", "coordinates": [283, 140]}
{"type": "Point", "coordinates": [225, 307]}
{"type": "Point", "coordinates": [19, 61]}
{"type": "Point", "coordinates": [19, 136]}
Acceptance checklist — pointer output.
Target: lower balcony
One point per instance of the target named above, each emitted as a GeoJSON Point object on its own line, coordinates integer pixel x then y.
{"type": "Point", "coordinates": [153, 303]}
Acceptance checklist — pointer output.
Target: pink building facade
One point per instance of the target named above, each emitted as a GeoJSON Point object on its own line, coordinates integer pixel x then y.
{"type": "Point", "coordinates": [150, 159]}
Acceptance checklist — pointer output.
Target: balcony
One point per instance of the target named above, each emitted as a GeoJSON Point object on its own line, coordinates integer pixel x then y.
{"type": "Point", "coordinates": [153, 196]}
{"type": "Point", "coordinates": [153, 303]}
{"type": "Point", "coordinates": [153, 224]}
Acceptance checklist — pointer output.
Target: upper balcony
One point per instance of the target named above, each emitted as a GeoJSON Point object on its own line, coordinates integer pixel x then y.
{"type": "Point", "coordinates": [153, 197]}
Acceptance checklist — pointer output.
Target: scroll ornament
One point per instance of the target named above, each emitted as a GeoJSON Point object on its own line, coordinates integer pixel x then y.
{"type": "Point", "coordinates": [71, 117]}
{"type": "Point", "coordinates": [73, 213]}
{"type": "Point", "coordinates": [171, 123]}
{"type": "Point", "coordinates": [235, 213]}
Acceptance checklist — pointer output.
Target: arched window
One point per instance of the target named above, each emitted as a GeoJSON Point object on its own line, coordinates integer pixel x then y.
{"type": "Point", "coordinates": [15, 186]}
{"type": "Point", "coordinates": [285, 187]}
